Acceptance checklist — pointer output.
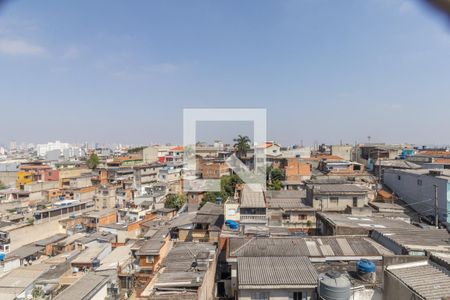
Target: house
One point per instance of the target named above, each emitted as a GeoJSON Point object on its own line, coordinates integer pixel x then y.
{"type": "Point", "coordinates": [49, 242]}
{"type": "Point", "coordinates": [412, 240]}
{"type": "Point", "coordinates": [171, 176]}
{"type": "Point", "coordinates": [286, 208]}
{"type": "Point", "coordinates": [19, 283]}
{"type": "Point", "coordinates": [344, 151]}
{"type": "Point", "coordinates": [208, 223]}
{"type": "Point", "coordinates": [94, 219]}
{"type": "Point", "coordinates": [296, 171]}
{"type": "Point", "coordinates": [425, 279]}
{"type": "Point", "coordinates": [68, 244]}
{"type": "Point", "coordinates": [381, 165]}
{"type": "Point", "coordinates": [146, 175]}
{"type": "Point", "coordinates": [90, 286]}
{"type": "Point", "coordinates": [336, 197]}
{"type": "Point", "coordinates": [214, 169]}
{"type": "Point", "coordinates": [90, 258]}
{"type": "Point", "coordinates": [252, 206]}
{"type": "Point", "coordinates": [123, 230]}
{"type": "Point", "coordinates": [418, 189]}
{"type": "Point", "coordinates": [175, 155]}
{"type": "Point", "coordinates": [275, 260]}
{"type": "Point", "coordinates": [330, 223]}
{"type": "Point", "coordinates": [188, 273]}
{"type": "Point", "coordinates": [105, 197]}
{"type": "Point", "coordinates": [276, 277]}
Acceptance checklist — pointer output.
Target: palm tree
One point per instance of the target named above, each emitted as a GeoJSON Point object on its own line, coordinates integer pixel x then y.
{"type": "Point", "coordinates": [242, 145]}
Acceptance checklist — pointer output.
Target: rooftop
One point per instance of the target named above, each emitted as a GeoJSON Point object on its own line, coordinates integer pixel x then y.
{"type": "Point", "coordinates": [90, 254]}
{"type": "Point", "coordinates": [86, 286]}
{"type": "Point", "coordinates": [276, 272]}
{"type": "Point", "coordinates": [176, 267]}
{"type": "Point", "coordinates": [363, 222]}
{"type": "Point", "coordinates": [252, 197]}
{"type": "Point", "coordinates": [425, 278]}
{"type": "Point", "coordinates": [322, 248]}
{"type": "Point", "coordinates": [414, 239]}
{"type": "Point", "coordinates": [339, 188]}
{"type": "Point", "coordinates": [18, 279]}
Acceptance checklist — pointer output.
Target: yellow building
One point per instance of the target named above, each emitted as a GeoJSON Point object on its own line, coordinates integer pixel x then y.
{"type": "Point", "coordinates": [23, 178]}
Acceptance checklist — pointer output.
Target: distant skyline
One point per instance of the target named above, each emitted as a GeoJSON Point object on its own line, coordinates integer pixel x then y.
{"type": "Point", "coordinates": [326, 71]}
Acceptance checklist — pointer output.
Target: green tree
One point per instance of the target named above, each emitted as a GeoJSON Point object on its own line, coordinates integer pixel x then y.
{"type": "Point", "coordinates": [227, 187]}
{"type": "Point", "coordinates": [276, 174]}
{"type": "Point", "coordinates": [175, 201]}
{"type": "Point", "coordinates": [276, 185]}
{"type": "Point", "coordinates": [241, 146]}
{"type": "Point", "coordinates": [93, 161]}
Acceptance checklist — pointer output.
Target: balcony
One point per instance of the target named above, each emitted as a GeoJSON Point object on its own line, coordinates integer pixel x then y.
{"type": "Point", "coordinates": [253, 219]}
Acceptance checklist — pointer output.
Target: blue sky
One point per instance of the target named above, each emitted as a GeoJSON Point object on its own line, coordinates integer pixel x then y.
{"type": "Point", "coordinates": [325, 70]}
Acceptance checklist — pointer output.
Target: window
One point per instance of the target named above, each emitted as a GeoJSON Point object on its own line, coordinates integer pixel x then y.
{"type": "Point", "coordinates": [334, 200]}
{"type": "Point", "coordinates": [419, 181]}
{"type": "Point", "coordinates": [286, 216]}
{"type": "Point", "coordinates": [297, 296]}
{"type": "Point", "coordinates": [260, 296]}
{"type": "Point", "coordinates": [149, 259]}
{"type": "Point", "coordinates": [399, 177]}
{"type": "Point", "coordinates": [355, 201]}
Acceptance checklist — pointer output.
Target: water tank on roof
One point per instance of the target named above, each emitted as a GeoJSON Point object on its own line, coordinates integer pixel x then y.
{"type": "Point", "coordinates": [366, 270]}
{"type": "Point", "coordinates": [95, 263]}
{"type": "Point", "coordinates": [333, 286]}
{"type": "Point", "coordinates": [2, 256]}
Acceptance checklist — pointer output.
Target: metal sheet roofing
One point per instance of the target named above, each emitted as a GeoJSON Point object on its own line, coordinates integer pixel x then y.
{"type": "Point", "coordinates": [427, 279]}
{"type": "Point", "coordinates": [276, 272]}
{"type": "Point", "coordinates": [311, 246]}
{"type": "Point", "coordinates": [252, 197]}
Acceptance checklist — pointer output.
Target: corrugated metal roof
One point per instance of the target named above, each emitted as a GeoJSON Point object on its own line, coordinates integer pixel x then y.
{"type": "Point", "coordinates": [339, 188]}
{"type": "Point", "coordinates": [275, 272]}
{"type": "Point", "coordinates": [252, 197]}
{"type": "Point", "coordinates": [311, 246]}
{"type": "Point", "coordinates": [426, 279]}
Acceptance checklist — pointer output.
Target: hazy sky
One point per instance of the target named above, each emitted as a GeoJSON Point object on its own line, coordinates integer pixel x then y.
{"type": "Point", "coordinates": [115, 71]}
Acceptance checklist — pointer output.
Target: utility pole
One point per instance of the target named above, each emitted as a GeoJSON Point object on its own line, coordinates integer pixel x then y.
{"type": "Point", "coordinates": [436, 210]}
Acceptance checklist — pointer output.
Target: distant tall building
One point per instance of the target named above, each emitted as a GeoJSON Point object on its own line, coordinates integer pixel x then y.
{"type": "Point", "coordinates": [12, 146]}
{"type": "Point", "coordinates": [42, 149]}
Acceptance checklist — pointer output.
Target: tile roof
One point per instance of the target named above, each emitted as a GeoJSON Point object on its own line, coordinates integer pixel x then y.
{"type": "Point", "coordinates": [427, 279]}
{"type": "Point", "coordinates": [275, 272]}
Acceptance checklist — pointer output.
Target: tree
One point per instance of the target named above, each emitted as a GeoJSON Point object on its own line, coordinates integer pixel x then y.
{"type": "Point", "coordinates": [227, 187]}
{"type": "Point", "coordinates": [276, 185]}
{"type": "Point", "coordinates": [93, 161]}
{"type": "Point", "coordinates": [241, 146]}
{"type": "Point", "coordinates": [274, 178]}
{"type": "Point", "coordinates": [175, 201]}
{"type": "Point", "coordinates": [276, 174]}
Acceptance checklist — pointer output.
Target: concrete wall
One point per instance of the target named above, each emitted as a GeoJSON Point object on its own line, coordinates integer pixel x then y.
{"type": "Point", "coordinates": [413, 188]}
{"type": "Point", "coordinates": [101, 294]}
{"type": "Point", "coordinates": [325, 204]}
{"type": "Point", "coordinates": [396, 290]}
{"type": "Point", "coordinates": [32, 233]}
{"type": "Point", "coordinates": [285, 294]}
{"type": "Point", "coordinates": [8, 178]}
